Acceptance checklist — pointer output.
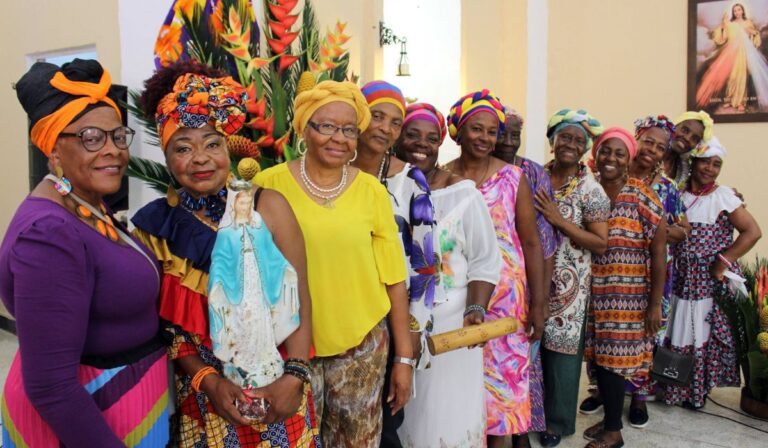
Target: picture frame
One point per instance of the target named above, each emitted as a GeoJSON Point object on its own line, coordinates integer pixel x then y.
{"type": "Point", "coordinates": [727, 66]}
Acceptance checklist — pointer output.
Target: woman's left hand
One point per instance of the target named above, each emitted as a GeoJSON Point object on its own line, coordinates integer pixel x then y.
{"type": "Point", "coordinates": [474, 318]}
{"type": "Point", "coordinates": [653, 320]}
{"type": "Point", "coordinates": [718, 269]}
{"type": "Point", "coordinates": [400, 386]}
{"type": "Point", "coordinates": [284, 397]}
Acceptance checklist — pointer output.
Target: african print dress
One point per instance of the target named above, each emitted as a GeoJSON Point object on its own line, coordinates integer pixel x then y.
{"type": "Point", "coordinates": [698, 325]}
{"type": "Point", "coordinates": [506, 359]}
{"type": "Point", "coordinates": [449, 407]}
{"type": "Point", "coordinates": [616, 336]}
{"type": "Point", "coordinates": [674, 211]}
{"type": "Point", "coordinates": [538, 179]}
{"type": "Point", "coordinates": [184, 245]}
{"type": "Point", "coordinates": [581, 201]}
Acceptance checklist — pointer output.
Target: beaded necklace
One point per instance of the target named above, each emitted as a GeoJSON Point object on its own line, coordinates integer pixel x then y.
{"type": "Point", "coordinates": [571, 184]}
{"type": "Point", "coordinates": [214, 204]}
{"type": "Point", "coordinates": [703, 192]}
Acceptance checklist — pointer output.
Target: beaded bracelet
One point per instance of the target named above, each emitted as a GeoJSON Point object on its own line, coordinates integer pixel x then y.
{"type": "Point", "coordinates": [200, 375]}
{"type": "Point", "coordinates": [298, 361]}
{"type": "Point", "coordinates": [298, 372]}
{"type": "Point", "coordinates": [474, 307]}
{"type": "Point", "coordinates": [725, 261]}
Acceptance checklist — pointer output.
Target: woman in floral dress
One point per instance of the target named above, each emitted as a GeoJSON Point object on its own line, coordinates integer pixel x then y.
{"type": "Point", "coordinates": [475, 122]}
{"type": "Point", "coordinates": [449, 407]}
{"type": "Point", "coordinates": [579, 212]}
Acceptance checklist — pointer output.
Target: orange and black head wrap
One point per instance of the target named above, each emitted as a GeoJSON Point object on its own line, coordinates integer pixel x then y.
{"type": "Point", "coordinates": [54, 97]}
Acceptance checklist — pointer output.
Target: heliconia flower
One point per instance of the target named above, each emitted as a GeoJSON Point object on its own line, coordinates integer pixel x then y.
{"type": "Point", "coordinates": [288, 4]}
{"type": "Point", "coordinates": [262, 124]}
{"type": "Point", "coordinates": [256, 63]}
{"type": "Point", "coordinates": [279, 145]}
{"type": "Point", "coordinates": [276, 45]}
{"type": "Point", "coordinates": [265, 141]}
{"type": "Point", "coordinates": [289, 37]}
{"type": "Point", "coordinates": [278, 28]}
{"type": "Point", "coordinates": [238, 38]}
{"type": "Point", "coordinates": [285, 61]}
{"type": "Point", "coordinates": [253, 106]}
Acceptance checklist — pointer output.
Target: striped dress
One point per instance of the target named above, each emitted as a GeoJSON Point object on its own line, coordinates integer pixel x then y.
{"type": "Point", "coordinates": [616, 336]}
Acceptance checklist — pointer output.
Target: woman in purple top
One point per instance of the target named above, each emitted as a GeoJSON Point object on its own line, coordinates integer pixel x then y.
{"type": "Point", "coordinates": [91, 367]}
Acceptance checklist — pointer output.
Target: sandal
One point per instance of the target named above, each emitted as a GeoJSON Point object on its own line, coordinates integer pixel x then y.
{"type": "Point", "coordinates": [595, 431]}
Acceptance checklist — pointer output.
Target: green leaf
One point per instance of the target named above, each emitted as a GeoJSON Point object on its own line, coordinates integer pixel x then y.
{"type": "Point", "coordinates": [154, 174]}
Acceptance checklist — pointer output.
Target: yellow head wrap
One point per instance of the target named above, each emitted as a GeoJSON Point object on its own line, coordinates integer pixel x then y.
{"type": "Point", "coordinates": [306, 103]}
{"type": "Point", "coordinates": [701, 116]}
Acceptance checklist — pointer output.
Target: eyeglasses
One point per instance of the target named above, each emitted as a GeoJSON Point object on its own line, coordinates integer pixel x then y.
{"type": "Point", "coordinates": [350, 132]}
{"type": "Point", "coordinates": [568, 138]}
{"type": "Point", "coordinates": [95, 138]}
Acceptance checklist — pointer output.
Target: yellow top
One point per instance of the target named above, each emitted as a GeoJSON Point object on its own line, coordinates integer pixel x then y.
{"type": "Point", "coordinates": [353, 251]}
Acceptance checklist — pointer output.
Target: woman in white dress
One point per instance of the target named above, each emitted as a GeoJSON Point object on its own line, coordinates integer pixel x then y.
{"type": "Point", "coordinates": [449, 407]}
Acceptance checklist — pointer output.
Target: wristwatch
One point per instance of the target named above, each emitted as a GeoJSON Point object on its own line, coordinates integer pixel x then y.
{"type": "Point", "coordinates": [403, 360]}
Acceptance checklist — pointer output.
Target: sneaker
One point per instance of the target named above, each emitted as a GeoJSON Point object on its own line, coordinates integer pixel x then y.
{"type": "Point", "coordinates": [548, 440]}
{"type": "Point", "coordinates": [638, 418]}
{"type": "Point", "coordinates": [590, 405]}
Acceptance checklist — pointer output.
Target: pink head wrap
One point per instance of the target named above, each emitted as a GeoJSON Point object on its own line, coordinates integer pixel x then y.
{"type": "Point", "coordinates": [622, 134]}
{"type": "Point", "coordinates": [426, 112]}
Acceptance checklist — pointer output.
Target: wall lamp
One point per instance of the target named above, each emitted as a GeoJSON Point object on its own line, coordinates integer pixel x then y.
{"type": "Point", "coordinates": [387, 37]}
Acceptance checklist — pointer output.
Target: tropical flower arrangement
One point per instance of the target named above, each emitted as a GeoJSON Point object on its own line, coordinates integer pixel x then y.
{"type": "Point", "coordinates": [749, 320]}
{"type": "Point", "coordinates": [226, 35]}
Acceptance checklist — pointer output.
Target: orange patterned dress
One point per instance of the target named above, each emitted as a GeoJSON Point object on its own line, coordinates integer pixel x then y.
{"type": "Point", "coordinates": [616, 337]}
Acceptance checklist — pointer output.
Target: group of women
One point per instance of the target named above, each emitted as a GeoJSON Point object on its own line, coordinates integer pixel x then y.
{"type": "Point", "coordinates": [601, 261]}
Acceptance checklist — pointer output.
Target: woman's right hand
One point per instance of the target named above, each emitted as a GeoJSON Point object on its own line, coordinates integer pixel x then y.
{"type": "Point", "coordinates": [545, 205]}
{"type": "Point", "coordinates": [222, 394]}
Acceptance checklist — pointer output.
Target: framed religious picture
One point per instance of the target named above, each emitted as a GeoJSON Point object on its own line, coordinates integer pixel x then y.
{"type": "Point", "coordinates": [728, 59]}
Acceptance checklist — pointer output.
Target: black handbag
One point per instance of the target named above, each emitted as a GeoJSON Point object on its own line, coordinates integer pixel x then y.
{"type": "Point", "coordinates": [672, 368]}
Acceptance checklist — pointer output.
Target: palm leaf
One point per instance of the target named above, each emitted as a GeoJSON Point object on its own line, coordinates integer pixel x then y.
{"type": "Point", "coordinates": [154, 174]}
{"type": "Point", "coordinates": [148, 123]}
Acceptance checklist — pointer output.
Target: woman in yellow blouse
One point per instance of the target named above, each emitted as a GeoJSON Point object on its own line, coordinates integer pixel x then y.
{"type": "Point", "coordinates": [355, 263]}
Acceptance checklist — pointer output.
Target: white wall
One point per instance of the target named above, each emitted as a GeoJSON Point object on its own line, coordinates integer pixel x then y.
{"type": "Point", "coordinates": [433, 30]}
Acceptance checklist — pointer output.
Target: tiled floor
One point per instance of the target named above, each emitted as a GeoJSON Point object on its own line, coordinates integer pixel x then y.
{"type": "Point", "coordinates": [668, 427]}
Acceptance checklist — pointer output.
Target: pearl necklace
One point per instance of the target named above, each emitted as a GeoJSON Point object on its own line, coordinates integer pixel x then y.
{"type": "Point", "coordinates": [381, 167]}
{"type": "Point", "coordinates": [326, 194]}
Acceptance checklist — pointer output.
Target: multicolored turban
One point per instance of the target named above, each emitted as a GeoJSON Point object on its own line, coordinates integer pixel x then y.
{"type": "Point", "coordinates": [377, 92]}
{"type": "Point", "coordinates": [622, 134]}
{"type": "Point", "coordinates": [54, 97]}
{"type": "Point", "coordinates": [470, 104]}
{"type": "Point", "coordinates": [426, 112]}
{"type": "Point", "coordinates": [701, 116]}
{"type": "Point", "coordinates": [580, 119]}
{"type": "Point", "coordinates": [658, 121]}
{"type": "Point", "coordinates": [307, 102]}
{"type": "Point", "coordinates": [709, 148]}
{"type": "Point", "coordinates": [198, 100]}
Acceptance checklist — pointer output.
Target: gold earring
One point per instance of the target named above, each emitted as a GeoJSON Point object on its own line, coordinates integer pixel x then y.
{"type": "Point", "coordinates": [172, 196]}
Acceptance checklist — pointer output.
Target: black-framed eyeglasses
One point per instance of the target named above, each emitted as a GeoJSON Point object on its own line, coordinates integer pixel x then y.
{"type": "Point", "coordinates": [350, 132]}
{"type": "Point", "coordinates": [94, 138]}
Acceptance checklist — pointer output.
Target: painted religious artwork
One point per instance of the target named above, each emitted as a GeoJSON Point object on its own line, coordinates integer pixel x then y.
{"type": "Point", "coordinates": [728, 59]}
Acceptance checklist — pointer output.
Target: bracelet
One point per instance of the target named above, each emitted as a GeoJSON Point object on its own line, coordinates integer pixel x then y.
{"type": "Point", "coordinates": [403, 360]}
{"type": "Point", "coordinates": [474, 307]}
{"type": "Point", "coordinates": [303, 378]}
{"type": "Point", "coordinates": [297, 361]}
{"type": "Point", "coordinates": [200, 375]}
{"type": "Point", "coordinates": [725, 261]}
